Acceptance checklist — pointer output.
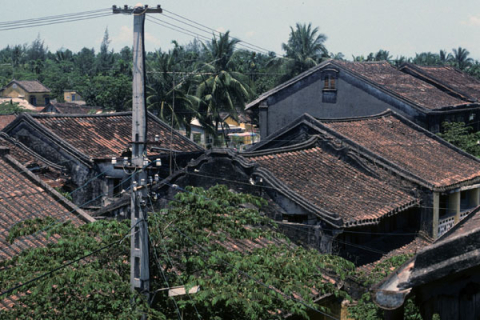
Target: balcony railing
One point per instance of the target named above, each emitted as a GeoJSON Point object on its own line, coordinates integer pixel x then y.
{"type": "Point", "coordinates": [447, 223]}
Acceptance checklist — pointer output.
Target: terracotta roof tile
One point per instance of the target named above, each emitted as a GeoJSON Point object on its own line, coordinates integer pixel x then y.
{"type": "Point", "coordinates": [408, 87]}
{"type": "Point", "coordinates": [22, 198]}
{"type": "Point", "coordinates": [334, 185]}
{"type": "Point", "coordinates": [409, 148]}
{"type": "Point", "coordinates": [5, 120]}
{"type": "Point", "coordinates": [107, 135]}
{"type": "Point", "coordinates": [450, 77]}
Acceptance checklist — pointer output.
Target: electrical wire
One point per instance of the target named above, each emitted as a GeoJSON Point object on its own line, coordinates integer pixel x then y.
{"type": "Point", "coordinates": [39, 22]}
{"type": "Point", "coordinates": [169, 259]}
{"type": "Point", "coordinates": [240, 271]}
{"type": "Point", "coordinates": [214, 31]}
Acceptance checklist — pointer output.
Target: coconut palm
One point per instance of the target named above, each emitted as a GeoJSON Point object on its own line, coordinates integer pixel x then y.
{"type": "Point", "coordinates": [167, 95]}
{"type": "Point", "coordinates": [220, 87]}
{"type": "Point", "coordinates": [461, 59]}
{"type": "Point", "coordinates": [303, 50]}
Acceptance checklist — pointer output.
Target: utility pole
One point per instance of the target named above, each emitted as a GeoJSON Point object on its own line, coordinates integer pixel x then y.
{"type": "Point", "coordinates": [139, 260]}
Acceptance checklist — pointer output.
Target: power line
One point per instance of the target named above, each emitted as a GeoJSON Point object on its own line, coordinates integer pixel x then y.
{"type": "Point", "coordinates": [215, 31]}
{"type": "Point", "coordinates": [60, 267]}
{"type": "Point", "coordinates": [38, 22]}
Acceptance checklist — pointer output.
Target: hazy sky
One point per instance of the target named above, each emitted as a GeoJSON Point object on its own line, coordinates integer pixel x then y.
{"type": "Point", "coordinates": [352, 26]}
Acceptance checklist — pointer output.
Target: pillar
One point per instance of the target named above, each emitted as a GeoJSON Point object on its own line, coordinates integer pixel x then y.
{"type": "Point", "coordinates": [436, 214]}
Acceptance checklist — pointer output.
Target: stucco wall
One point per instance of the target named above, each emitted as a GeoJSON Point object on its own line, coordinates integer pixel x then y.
{"type": "Point", "coordinates": [354, 98]}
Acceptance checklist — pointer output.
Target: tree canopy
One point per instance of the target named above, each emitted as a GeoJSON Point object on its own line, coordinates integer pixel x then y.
{"type": "Point", "coordinates": [192, 242]}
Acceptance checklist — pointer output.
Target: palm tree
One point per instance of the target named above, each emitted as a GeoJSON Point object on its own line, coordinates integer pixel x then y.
{"type": "Point", "coordinates": [445, 57]}
{"type": "Point", "coordinates": [167, 95]}
{"type": "Point", "coordinates": [220, 87]}
{"type": "Point", "coordinates": [304, 49]}
{"type": "Point", "coordinates": [461, 59]}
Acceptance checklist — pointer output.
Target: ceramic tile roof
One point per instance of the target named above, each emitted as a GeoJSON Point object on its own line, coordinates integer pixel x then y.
{"type": "Point", "coordinates": [33, 86]}
{"type": "Point", "coordinates": [23, 197]}
{"type": "Point", "coordinates": [5, 120]}
{"type": "Point", "coordinates": [334, 185]}
{"type": "Point", "coordinates": [409, 147]}
{"type": "Point", "coordinates": [450, 77]}
{"type": "Point", "coordinates": [107, 135]}
{"type": "Point", "coordinates": [404, 85]}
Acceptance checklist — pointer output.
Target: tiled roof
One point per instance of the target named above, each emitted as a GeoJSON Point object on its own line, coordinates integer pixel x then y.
{"type": "Point", "coordinates": [107, 135]}
{"type": "Point", "coordinates": [404, 85]}
{"type": "Point", "coordinates": [409, 147]}
{"type": "Point", "coordinates": [23, 197]}
{"type": "Point", "coordinates": [33, 86]}
{"type": "Point", "coordinates": [5, 120]}
{"type": "Point", "coordinates": [446, 76]}
{"type": "Point", "coordinates": [333, 185]}
{"type": "Point", "coordinates": [24, 155]}
{"type": "Point", "coordinates": [385, 77]}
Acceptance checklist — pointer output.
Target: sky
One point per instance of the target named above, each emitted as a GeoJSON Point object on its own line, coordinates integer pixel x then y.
{"type": "Point", "coordinates": [352, 27]}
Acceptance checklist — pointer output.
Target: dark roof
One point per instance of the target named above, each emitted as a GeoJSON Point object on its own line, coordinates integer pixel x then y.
{"type": "Point", "coordinates": [330, 184]}
{"type": "Point", "coordinates": [6, 119]}
{"type": "Point", "coordinates": [104, 136]}
{"type": "Point", "coordinates": [23, 154]}
{"type": "Point", "coordinates": [410, 148]}
{"type": "Point", "coordinates": [452, 254]}
{"type": "Point", "coordinates": [385, 77]}
{"type": "Point", "coordinates": [23, 196]}
{"type": "Point", "coordinates": [455, 252]}
{"type": "Point", "coordinates": [447, 78]}
{"type": "Point", "coordinates": [72, 108]}
{"type": "Point", "coordinates": [401, 84]}
{"type": "Point", "coordinates": [32, 86]}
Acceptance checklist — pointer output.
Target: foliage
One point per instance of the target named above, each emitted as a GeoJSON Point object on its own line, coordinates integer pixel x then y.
{"type": "Point", "coordinates": [220, 87]}
{"type": "Point", "coordinates": [198, 231]}
{"type": "Point", "coordinates": [365, 309]}
{"type": "Point", "coordinates": [192, 243]}
{"type": "Point", "coordinates": [93, 288]}
{"type": "Point", "coordinates": [461, 136]}
{"type": "Point", "coordinates": [10, 108]}
{"type": "Point", "coordinates": [304, 50]}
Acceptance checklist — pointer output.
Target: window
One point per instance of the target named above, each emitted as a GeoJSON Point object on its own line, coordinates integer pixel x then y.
{"type": "Point", "coordinates": [47, 101]}
{"type": "Point", "coordinates": [73, 97]}
{"type": "Point", "coordinates": [329, 92]}
{"type": "Point", "coordinates": [33, 100]}
{"type": "Point", "coordinates": [197, 137]}
{"type": "Point", "coordinates": [329, 83]}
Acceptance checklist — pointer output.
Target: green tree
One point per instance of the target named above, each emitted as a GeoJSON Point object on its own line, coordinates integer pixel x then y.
{"type": "Point", "coordinates": [461, 59]}
{"type": "Point", "coordinates": [305, 49]}
{"type": "Point", "coordinates": [105, 58]}
{"type": "Point", "coordinates": [461, 136]}
{"type": "Point", "coordinates": [220, 87]}
{"type": "Point", "coordinates": [191, 244]}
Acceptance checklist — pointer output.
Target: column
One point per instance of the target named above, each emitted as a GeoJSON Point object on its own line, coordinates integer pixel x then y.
{"type": "Point", "coordinates": [436, 214]}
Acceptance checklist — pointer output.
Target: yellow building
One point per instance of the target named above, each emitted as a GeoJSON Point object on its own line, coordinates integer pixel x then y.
{"type": "Point", "coordinates": [73, 97]}
{"type": "Point", "coordinates": [33, 92]}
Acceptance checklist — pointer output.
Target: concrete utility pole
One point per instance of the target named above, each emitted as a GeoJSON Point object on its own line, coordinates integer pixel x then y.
{"type": "Point", "coordinates": [139, 269]}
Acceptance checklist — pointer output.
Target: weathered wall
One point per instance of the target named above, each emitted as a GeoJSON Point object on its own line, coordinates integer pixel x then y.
{"type": "Point", "coordinates": [77, 171]}
{"type": "Point", "coordinates": [354, 98]}
{"type": "Point", "coordinates": [456, 297]}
